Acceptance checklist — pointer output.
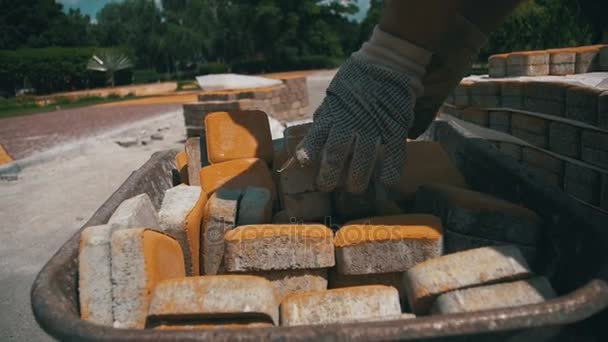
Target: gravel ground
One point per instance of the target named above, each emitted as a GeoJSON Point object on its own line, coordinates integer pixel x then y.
{"type": "Point", "coordinates": [50, 200]}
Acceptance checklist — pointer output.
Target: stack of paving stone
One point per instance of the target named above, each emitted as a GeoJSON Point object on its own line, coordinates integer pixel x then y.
{"type": "Point", "coordinates": [556, 125]}
{"type": "Point", "coordinates": [214, 256]}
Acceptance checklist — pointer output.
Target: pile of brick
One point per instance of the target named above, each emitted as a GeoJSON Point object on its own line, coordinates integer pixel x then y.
{"type": "Point", "coordinates": [560, 123]}
{"type": "Point", "coordinates": [286, 102]}
{"type": "Point", "coordinates": [566, 61]}
{"type": "Point", "coordinates": [246, 243]}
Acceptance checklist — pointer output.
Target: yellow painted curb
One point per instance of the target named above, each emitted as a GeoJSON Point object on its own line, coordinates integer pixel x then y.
{"type": "Point", "coordinates": [5, 158]}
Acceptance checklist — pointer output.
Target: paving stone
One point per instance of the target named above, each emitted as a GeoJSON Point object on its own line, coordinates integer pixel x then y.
{"type": "Point", "coordinates": [141, 258]}
{"type": "Point", "coordinates": [546, 175]}
{"type": "Point", "coordinates": [394, 279]}
{"type": "Point", "coordinates": [238, 135]}
{"type": "Point", "coordinates": [427, 280]}
{"type": "Point", "coordinates": [94, 275]}
{"type": "Point", "coordinates": [562, 62]}
{"type": "Point", "coordinates": [564, 139]}
{"type": "Point", "coordinates": [582, 183]}
{"type": "Point", "coordinates": [220, 217]}
{"type": "Point", "coordinates": [587, 59]}
{"type": "Point", "coordinates": [529, 123]}
{"type": "Point", "coordinates": [595, 139]}
{"type": "Point", "coordinates": [279, 247]}
{"type": "Point", "coordinates": [595, 156]}
{"type": "Point", "coordinates": [462, 93]}
{"type": "Point", "coordinates": [296, 179]}
{"type": "Point", "coordinates": [427, 162]}
{"type": "Point", "coordinates": [375, 201]}
{"type": "Point", "coordinates": [454, 242]}
{"type": "Point", "coordinates": [476, 116]}
{"type": "Point", "coordinates": [214, 297]}
{"type": "Point", "coordinates": [290, 282]}
{"type": "Point", "coordinates": [500, 121]}
{"type": "Point", "coordinates": [293, 135]}
{"type": "Point", "coordinates": [5, 157]}
{"type": "Point", "coordinates": [604, 58]}
{"type": "Point", "coordinates": [478, 214]}
{"type": "Point", "coordinates": [546, 97]}
{"type": "Point", "coordinates": [387, 244]}
{"type": "Point", "coordinates": [180, 216]}
{"type": "Point", "coordinates": [582, 104]}
{"type": "Point", "coordinates": [485, 94]}
{"type": "Point", "coordinates": [308, 207]}
{"type": "Point", "coordinates": [528, 58]}
{"type": "Point", "coordinates": [604, 192]}
{"type": "Point", "coordinates": [136, 212]}
{"type": "Point", "coordinates": [528, 70]}
{"type": "Point", "coordinates": [237, 174]}
{"type": "Point", "coordinates": [535, 139]}
{"type": "Point", "coordinates": [512, 93]}
{"type": "Point", "coordinates": [255, 207]}
{"type": "Point", "coordinates": [543, 160]}
{"type": "Point", "coordinates": [181, 162]}
{"type": "Point", "coordinates": [193, 151]}
{"type": "Point", "coordinates": [340, 305]}
{"type": "Point", "coordinates": [512, 150]}
{"type": "Point", "coordinates": [497, 65]}
{"type": "Point", "coordinates": [523, 292]}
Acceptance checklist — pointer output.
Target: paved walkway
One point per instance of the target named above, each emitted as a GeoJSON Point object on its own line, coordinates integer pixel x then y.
{"type": "Point", "coordinates": [25, 135]}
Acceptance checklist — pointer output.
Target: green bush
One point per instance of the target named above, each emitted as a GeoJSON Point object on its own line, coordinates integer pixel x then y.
{"type": "Point", "coordinates": [212, 68]}
{"type": "Point", "coordinates": [146, 76]}
{"type": "Point", "coordinates": [51, 70]}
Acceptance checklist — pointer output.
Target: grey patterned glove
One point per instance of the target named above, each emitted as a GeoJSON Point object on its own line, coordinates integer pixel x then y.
{"type": "Point", "coordinates": [366, 105]}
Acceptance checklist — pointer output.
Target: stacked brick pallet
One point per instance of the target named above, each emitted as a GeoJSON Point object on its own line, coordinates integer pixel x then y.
{"type": "Point", "coordinates": [560, 122]}
{"type": "Point", "coordinates": [288, 101]}
{"type": "Point", "coordinates": [241, 248]}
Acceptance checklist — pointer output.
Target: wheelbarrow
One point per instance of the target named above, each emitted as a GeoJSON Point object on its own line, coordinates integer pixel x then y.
{"type": "Point", "coordinates": [572, 255]}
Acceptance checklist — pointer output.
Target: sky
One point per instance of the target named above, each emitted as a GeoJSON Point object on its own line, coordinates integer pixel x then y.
{"type": "Point", "coordinates": [91, 7]}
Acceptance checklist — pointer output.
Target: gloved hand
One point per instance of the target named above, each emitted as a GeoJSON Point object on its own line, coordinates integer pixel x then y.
{"type": "Point", "coordinates": [369, 103]}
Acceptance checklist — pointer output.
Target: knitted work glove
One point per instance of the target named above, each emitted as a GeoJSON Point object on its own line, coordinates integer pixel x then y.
{"type": "Point", "coordinates": [369, 103]}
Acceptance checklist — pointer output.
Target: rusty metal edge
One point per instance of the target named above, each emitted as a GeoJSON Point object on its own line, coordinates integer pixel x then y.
{"type": "Point", "coordinates": [58, 315]}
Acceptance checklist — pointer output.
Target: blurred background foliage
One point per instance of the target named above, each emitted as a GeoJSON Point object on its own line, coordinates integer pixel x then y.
{"type": "Point", "coordinates": [46, 48]}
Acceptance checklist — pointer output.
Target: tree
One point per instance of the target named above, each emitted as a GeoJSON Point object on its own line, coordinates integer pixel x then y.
{"type": "Point", "coordinates": [109, 62]}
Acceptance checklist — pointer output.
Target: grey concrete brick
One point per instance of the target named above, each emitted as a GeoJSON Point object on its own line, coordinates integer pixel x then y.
{"type": "Point", "coordinates": [546, 175]}
{"type": "Point", "coordinates": [500, 121]}
{"type": "Point", "coordinates": [564, 139]}
{"type": "Point", "coordinates": [425, 281]}
{"type": "Point", "coordinates": [587, 60]}
{"type": "Point", "coordinates": [221, 217]}
{"type": "Point", "coordinates": [529, 123]}
{"type": "Point", "coordinates": [139, 261]}
{"type": "Point", "coordinates": [387, 244]}
{"type": "Point", "coordinates": [173, 215]}
{"type": "Point", "coordinates": [485, 94]}
{"type": "Point", "coordinates": [582, 183]}
{"type": "Point", "coordinates": [219, 297]}
{"type": "Point", "coordinates": [582, 104]}
{"type": "Point", "coordinates": [604, 58]}
{"type": "Point", "coordinates": [136, 212]}
{"type": "Point", "coordinates": [528, 70]}
{"type": "Point", "coordinates": [279, 247]}
{"type": "Point", "coordinates": [94, 275]}
{"type": "Point", "coordinates": [497, 66]}
{"type": "Point", "coordinates": [291, 282]}
{"type": "Point", "coordinates": [476, 116]}
{"type": "Point", "coordinates": [523, 292]}
{"type": "Point", "coordinates": [512, 150]}
{"type": "Point", "coordinates": [543, 160]}
{"type": "Point", "coordinates": [595, 156]}
{"type": "Point", "coordinates": [193, 150]}
{"type": "Point", "coordinates": [602, 112]}
{"type": "Point", "coordinates": [255, 206]}
{"type": "Point", "coordinates": [512, 93]}
{"type": "Point", "coordinates": [340, 305]}
{"type": "Point", "coordinates": [478, 214]}
{"type": "Point", "coordinates": [538, 140]}
{"type": "Point", "coordinates": [456, 242]}
{"type": "Point", "coordinates": [308, 207]}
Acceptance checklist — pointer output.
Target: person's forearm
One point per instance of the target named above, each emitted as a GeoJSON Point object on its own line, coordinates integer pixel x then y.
{"type": "Point", "coordinates": [427, 23]}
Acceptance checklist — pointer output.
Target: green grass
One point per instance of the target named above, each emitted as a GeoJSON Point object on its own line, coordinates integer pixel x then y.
{"type": "Point", "coordinates": [24, 106]}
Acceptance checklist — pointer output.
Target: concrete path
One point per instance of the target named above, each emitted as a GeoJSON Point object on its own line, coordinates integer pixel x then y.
{"type": "Point", "coordinates": [51, 200]}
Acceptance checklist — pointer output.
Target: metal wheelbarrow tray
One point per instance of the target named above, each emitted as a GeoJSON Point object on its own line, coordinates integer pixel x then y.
{"type": "Point", "coordinates": [572, 254]}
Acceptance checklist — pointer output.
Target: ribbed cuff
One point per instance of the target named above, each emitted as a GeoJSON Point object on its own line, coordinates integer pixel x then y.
{"type": "Point", "coordinates": [394, 53]}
